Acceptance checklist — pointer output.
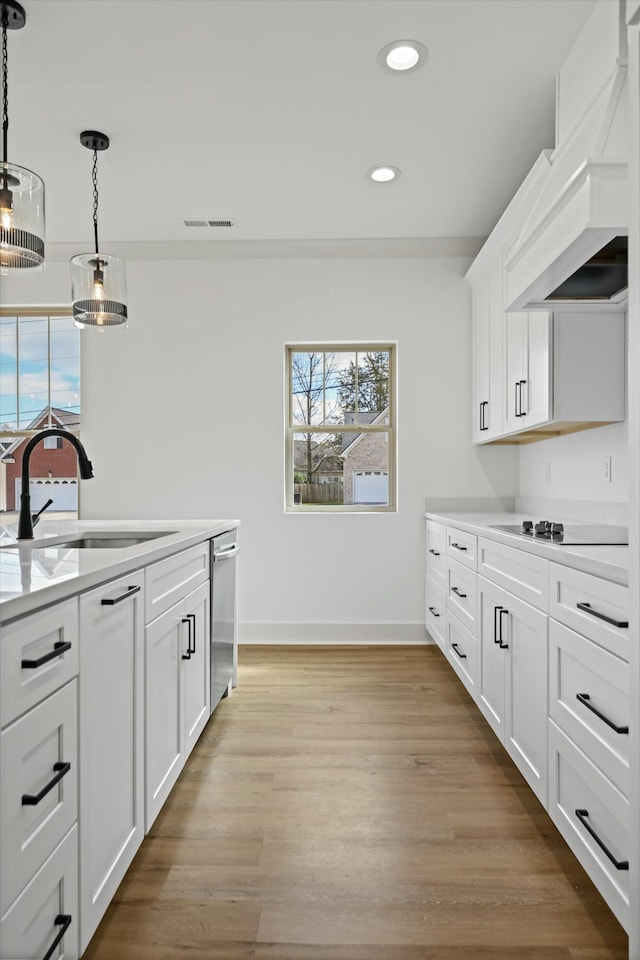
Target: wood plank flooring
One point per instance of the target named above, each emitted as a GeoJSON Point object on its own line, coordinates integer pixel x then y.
{"type": "Point", "coordinates": [350, 803]}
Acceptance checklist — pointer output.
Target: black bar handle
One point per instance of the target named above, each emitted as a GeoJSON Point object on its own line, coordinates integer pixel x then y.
{"type": "Point", "coordinates": [503, 646]}
{"type": "Point", "coordinates": [458, 546]}
{"type": "Point", "coordinates": [129, 592]}
{"type": "Point", "coordinates": [60, 647]}
{"type": "Point", "coordinates": [31, 799]}
{"type": "Point", "coordinates": [518, 414]}
{"type": "Point", "coordinates": [585, 700]}
{"type": "Point", "coordinates": [457, 592]}
{"type": "Point", "coordinates": [187, 655]}
{"type": "Point", "coordinates": [481, 412]}
{"type": "Point", "coordinates": [436, 553]}
{"type": "Point", "coordinates": [462, 656]}
{"type": "Point", "coordinates": [495, 624]}
{"type": "Point", "coordinates": [433, 611]}
{"type": "Point", "coordinates": [485, 404]}
{"type": "Point", "coordinates": [62, 920]}
{"type": "Point", "coordinates": [602, 616]}
{"type": "Point", "coordinates": [618, 864]}
{"type": "Point", "coordinates": [523, 413]}
{"type": "Point", "coordinates": [192, 616]}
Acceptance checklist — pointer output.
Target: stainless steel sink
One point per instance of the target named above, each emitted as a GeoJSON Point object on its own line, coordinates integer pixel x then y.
{"type": "Point", "coordinates": [96, 540]}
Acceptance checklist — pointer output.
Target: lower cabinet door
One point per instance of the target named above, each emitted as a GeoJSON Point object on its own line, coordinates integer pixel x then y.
{"type": "Point", "coordinates": [166, 642]}
{"type": "Point", "coordinates": [462, 653]}
{"type": "Point", "coordinates": [111, 741]}
{"type": "Point", "coordinates": [492, 660]}
{"type": "Point", "coordinates": [195, 670]}
{"type": "Point", "coordinates": [45, 916]}
{"type": "Point", "coordinates": [593, 817]}
{"type": "Point", "coordinates": [436, 613]}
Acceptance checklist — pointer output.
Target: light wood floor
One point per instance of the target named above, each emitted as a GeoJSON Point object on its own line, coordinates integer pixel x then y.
{"type": "Point", "coordinates": [350, 803]}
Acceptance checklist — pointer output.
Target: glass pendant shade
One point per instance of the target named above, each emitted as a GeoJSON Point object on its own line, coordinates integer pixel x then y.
{"type": "Point", "coordinates": [21, 219]}
{"type": "Point", "coordinates": [98, 290]}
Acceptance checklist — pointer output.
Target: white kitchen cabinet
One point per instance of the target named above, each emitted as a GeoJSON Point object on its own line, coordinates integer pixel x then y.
{"type": "Point", "coordinates": [528, 359]}
{"type": "Point", "coordinates": [45, 915]}
{"type": "Point", "coordinates": [176, 692]}
{"type": "Point", "coordinates": [512, 679]}
{"type": "Point", "coordinates": [436, 612]}
{"type": "Point", "coordinates": [111, 741]}
{"type": "Point", "coordinates": [462, 653]}
{"type": "Point", "coordinates": [436, 552]}
{"type": "Point", "coordinates": [487, 410]}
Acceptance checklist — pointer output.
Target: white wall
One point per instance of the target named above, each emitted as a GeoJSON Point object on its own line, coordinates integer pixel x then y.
{"type": "Point", "coordinates": [577, 473]}
{"type": "Point", "coordinates": [183, 417]}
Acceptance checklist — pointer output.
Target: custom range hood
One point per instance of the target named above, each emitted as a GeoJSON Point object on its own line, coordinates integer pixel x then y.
{"type": "Point", "coordinates": [572, 251]}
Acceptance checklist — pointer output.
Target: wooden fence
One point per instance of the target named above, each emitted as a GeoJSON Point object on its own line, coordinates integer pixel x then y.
{"type": "Point", "coordinates": [318, 492]}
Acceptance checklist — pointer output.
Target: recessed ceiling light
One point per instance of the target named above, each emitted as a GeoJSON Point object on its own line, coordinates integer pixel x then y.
{"type": "Point", "coordinates": [402, 55]}
{"type": "Point", "coordinates": [384, 174]}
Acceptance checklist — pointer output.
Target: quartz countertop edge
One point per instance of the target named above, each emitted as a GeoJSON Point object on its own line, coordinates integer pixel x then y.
{"type": "Point", "coordinates": [611, 562]}
{"type": "Point", "coordinates": [34, 575]}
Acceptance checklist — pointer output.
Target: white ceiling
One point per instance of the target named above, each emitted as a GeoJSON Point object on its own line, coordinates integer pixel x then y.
{"type": "Point", "coordinates": [271, 112]}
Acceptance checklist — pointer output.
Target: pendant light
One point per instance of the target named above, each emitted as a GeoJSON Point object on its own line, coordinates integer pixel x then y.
{"type": "Point", "coordinates": [21, 190]}
{"type": "Point", "coordinates": [98, 280]}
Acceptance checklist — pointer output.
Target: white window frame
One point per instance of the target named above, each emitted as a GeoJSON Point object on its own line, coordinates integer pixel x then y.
{"type": "Point", "coordinates": [293, 427]}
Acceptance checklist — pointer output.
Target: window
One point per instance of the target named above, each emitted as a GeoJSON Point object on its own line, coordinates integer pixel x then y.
{"type": "Point", "coordinates": [39, 388]}
{"type": "Point", "coordinates": [340, 428]}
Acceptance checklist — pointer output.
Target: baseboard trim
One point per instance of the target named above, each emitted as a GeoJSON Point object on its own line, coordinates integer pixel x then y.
{"type": "Point", "coordinates": [333, 633]}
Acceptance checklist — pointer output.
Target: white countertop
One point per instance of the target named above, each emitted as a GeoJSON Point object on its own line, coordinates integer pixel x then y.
{"type": "Point", "coordinates": [36, 573]}
{"type": "Point", "coordinates": [609, 562]}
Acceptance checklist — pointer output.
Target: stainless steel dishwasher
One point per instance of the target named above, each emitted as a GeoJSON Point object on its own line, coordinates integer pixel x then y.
{"type": "Point", "coordinates": [224, 550]}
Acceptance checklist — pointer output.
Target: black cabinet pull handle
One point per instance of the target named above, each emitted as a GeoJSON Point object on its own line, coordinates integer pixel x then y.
{"type": "Point", "coordinates": [62, 920]}
{"type": "Point", "coordinates": [458, 546]}
{"type": "Point", "coordinates": [59, 648]}
{"type": "Point", "coordinates": [192, 616]}
{"type": "Point", "coordinates": [523, 413]}
{"type": "Point", "coordinates": [503, 646]}
{"type": "Point", "coordinates": [31, 799]}
{"type": "Point", "coordinates": [495, 624]}
{"type": "Point", "coordinates": [602, 616]}
{"type": "Point", "coordinates": [187, 655]}
{"type": "Point", "coordinates": [129, 592]}
{"type": "Point", "coordinates": [483, 410]}
{"type": "Point", "coordinates": [457, 592]}
{"type": "Point", "coordinates": [618, 864]}
{"type": "Point", "coordinates": [454, 646]}
{"type": "Point", "coordinates": [518, 393]}
{"type": "Point", "coordinates": [434, 611]}
{"type": "Point", "coordinates": [585, 700]}
{"type": "Point", "coordinates": [436, 553]}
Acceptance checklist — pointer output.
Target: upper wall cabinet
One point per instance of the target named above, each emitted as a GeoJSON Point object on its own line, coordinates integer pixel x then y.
{"type": "Point", "coordinates": [487, 353]}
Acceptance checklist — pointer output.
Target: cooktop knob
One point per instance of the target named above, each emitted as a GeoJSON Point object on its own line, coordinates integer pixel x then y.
{"type": "Point", "coordinates": [543, 526]}
{"type": "Point", "coordinates": [557, 528]}
{"type": "Point", "coordinates": [527, 526]}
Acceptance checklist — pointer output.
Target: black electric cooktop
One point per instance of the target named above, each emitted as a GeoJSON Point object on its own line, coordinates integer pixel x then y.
{"type": "Point", "coordinates": [567, 534]}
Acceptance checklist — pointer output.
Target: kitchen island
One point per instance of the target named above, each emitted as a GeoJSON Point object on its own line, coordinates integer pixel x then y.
{"type": "Point", "coordinates": [105, 689]}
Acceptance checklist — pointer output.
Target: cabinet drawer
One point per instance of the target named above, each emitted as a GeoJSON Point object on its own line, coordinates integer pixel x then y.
{"type": "Point", "coordinates": [570, 590]}
{"type": "Point", "coordinates": [26, 642]}
{"type": "Point", "coordinates": [575, 784]}
{"type": "Point", "coordinates": [463, 546]}
{"type": "Point", "coordinates": [30, 929]}
{"type": "Point", "coordinates": [520, 572]}
{"type": "Point", "coordinates": [436, 612]}
{"type": "Point", "coordinates": [170, 580]}
{"type": "Point", "coordinates": [462, 653]}
{"type": "Point", "coordinates": [461, 594]}
{"type": "Point", "coordinates": [33, 754]}
{"type": "Point", "coordinates": [579, 668]}
{"type": "Point", "coordinates": [436, 551]}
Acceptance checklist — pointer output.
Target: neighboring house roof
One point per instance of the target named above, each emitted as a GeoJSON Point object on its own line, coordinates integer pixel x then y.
{"type": "Point", "coordinates": [349, 441]}
{"type": "Point", "coordinates": [64, 418]}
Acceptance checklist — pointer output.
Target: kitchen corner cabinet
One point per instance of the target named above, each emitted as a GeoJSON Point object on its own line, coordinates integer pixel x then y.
{"type": "Point", "coordinates": [111, 741]}
{"type": "Point", "coordinates": [177, 692]}
{"type": "Point", "coordinates": [512, 679]}
{"type": "Point", "coordinates": [487, 413]}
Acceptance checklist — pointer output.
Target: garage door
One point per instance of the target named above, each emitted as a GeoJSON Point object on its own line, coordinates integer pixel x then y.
{"type": "Point", "coordinates": [370, 486]}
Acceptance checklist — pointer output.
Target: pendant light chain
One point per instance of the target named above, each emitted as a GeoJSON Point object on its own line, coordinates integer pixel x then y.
{"type": "Point", "coordinates": [5, 92]}
{"type": "Point", "coordinates": [94, 178]}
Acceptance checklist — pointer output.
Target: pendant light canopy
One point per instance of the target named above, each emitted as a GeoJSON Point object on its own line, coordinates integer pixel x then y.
{"type": "Point", "coordinates": [21, 190]}
{"type": "Point", "coordinates": [98, 280]}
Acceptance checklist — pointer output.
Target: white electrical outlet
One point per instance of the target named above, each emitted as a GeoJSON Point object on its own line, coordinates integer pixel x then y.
{"type": "Point", "coordinates": [606, 470]}
{"type": "Point", "coordinates": [547, 473]}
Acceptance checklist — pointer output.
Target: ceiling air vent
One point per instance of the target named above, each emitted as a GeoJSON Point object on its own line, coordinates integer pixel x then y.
{"type": "Point", "coordinates": [209, 223]}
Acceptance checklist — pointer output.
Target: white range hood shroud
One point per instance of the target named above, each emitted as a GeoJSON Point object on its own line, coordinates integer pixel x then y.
{"type": "Point", "coordinates": [582, 204]}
